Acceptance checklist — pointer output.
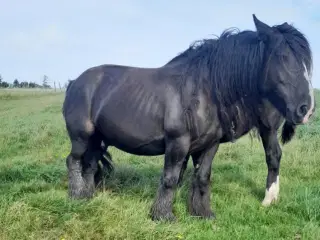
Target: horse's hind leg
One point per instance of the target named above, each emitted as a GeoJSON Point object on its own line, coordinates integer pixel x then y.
{"type": "Point", "coordinates": [183, 169]}
{"type": "Point", "coordinates": [77, 185]}
{"type": "Point", "coordinates": [80, 135]}
{"type": "Point", "coordinates": [91, 163]}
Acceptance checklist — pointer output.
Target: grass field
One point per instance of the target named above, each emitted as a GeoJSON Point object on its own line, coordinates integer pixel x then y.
{"type": "Point", "coordinates": [33, 185]}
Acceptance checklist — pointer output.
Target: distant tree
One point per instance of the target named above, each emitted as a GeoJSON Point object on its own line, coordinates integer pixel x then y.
{"type": "Point", "coordinates": [32, 85]}
{"type": "Point", "coordinates": [4, 85]}
{"type": "Point", "coordinates": [45, 82]}
{"type": "Point", "coordinates": [24, 84]}
{"type": "Point", "coordinates": [16, 83]}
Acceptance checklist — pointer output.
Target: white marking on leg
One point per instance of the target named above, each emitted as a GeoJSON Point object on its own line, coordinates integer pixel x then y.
{"type": "Point", "coordinates": [272, 193]}
{"type": "Point", "coordinates": [307, 76]}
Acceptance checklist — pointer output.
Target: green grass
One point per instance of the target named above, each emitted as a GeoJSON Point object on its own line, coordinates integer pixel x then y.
{"type": "Point", "coordinates": [33, 185]}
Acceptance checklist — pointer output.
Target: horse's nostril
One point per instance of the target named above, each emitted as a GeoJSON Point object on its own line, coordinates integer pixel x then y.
{"type": "Point", "coordinates": [302, 110]}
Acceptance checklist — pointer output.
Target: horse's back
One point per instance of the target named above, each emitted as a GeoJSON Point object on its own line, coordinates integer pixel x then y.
{"type": "Point", "coordinates": [125, 104]}
{"type": "Point", "coordinates": [84, 88]}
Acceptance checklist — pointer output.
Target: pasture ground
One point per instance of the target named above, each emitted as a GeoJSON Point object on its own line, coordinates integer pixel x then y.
{"type": "Point", "coordinates": [33, 185]}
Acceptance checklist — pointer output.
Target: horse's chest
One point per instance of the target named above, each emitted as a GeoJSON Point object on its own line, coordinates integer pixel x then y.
{"type": "Point", "coordinates": [201, 118]}
{"type": "Point", "coordinates": [239, 125]}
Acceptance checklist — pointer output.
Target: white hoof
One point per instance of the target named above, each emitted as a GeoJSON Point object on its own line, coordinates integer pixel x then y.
{"type": "Point", "coordinates": [272, 194]}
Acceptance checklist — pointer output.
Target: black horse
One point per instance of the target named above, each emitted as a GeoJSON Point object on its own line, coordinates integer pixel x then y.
{"type": "Point", "coordinates": [214, 92]}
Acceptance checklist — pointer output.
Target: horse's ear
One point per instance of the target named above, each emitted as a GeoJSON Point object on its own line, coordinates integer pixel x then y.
{"type": "Point", "coordinates": [264, 31]}
{"type": "Point", "coordinates": [286, 24]}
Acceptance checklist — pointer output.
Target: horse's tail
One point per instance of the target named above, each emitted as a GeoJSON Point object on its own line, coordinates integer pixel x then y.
{"type": "Point", "coordinates": [67, 88]}
{"type": "Point", "coordinates": [106, 158]}
{"type": "Point", "coordinates": [105, 165]}
{"type": "Point", "coordinates": [288, 131]}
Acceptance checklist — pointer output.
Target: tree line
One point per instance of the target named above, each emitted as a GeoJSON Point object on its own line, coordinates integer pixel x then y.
{"type": "Point", "coordinates": [24, 84]}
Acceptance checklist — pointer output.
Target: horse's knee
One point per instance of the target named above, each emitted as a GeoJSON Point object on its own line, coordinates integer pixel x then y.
{"type": "Point", "coordinates": [73, 163]}
{"type": "Point", "coordinates": [203, 177]}
{"type": "Point", "coordinates": [169, 181]}
{"type": "Point", "coordinates": [202, 182]}
{"type": "Point", "coordinates": [273, 157]}
{"type": "Point", "coordinates": [78, 149]}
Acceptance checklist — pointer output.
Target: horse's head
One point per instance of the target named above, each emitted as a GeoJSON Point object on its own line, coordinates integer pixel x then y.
{"type": "Point", "coordinates": [287, 71]}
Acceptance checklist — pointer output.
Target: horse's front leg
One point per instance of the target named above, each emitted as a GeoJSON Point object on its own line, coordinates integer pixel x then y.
{"type": "Point", "coordinates": [273, 156]}
{"type": "Point", "coordinates": [176, 152]}
{"type": "Point", "coordinates": [199, 198]}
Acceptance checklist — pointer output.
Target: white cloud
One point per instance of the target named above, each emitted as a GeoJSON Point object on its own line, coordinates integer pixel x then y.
{"type": "Point", "coordinates": [35, 39]}
{"type": "Point", "coordinates": [124, 8]}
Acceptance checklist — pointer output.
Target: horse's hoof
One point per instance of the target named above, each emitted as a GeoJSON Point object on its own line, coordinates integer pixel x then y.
{"type": "Point", "coordinates": [81, 194]}
{"type": "Point", "coordinates": [268, 202]}
{"type": "Point", "coordinates": [168, 217]}
{"type": "Point", "coordinates": [210, 216]}
{"type": "Point", "coordinates": [205, 215]}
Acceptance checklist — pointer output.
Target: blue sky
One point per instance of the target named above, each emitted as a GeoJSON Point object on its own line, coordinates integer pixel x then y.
{"type": "Point", "coordinates": [63, 38]}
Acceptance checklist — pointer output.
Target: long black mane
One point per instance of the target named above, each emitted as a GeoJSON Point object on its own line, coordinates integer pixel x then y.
{"type": "Point", "coordinates": [231, 66]}
{"type": "Point", "coordinates": [234, 59]}
{"type": "Point", "coordinates": [228, 67]}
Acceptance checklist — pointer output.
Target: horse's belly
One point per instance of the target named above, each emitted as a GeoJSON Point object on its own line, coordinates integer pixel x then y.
{"type": "Point", "coordinates": [131, 118]}
{"type": "Point", "coordinates": [140, 137]}
{"type": "Point", "coordinates": [153, 148]}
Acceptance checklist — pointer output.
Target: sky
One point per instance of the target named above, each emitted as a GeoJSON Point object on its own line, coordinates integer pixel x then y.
{"type": "Point", "coordinates": [61, 39]}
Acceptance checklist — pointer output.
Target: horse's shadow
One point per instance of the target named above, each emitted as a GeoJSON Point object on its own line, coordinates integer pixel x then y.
{"type": "Point", "coordinates": [228, 174]}
{"type": "Point", "coordinates": [134, 181]}
{"type": "Point", "coordinates": [142, 182]}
